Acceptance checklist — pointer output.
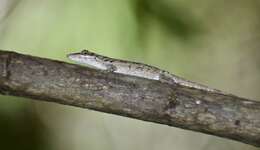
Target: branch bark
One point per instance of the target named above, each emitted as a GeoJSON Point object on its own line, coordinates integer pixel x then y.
{"type": "Point", "coordinates": [217, 114]}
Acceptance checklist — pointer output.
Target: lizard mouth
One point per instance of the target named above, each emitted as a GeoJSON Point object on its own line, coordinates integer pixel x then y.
{"type": "Point", "coordinates": [73, 55]}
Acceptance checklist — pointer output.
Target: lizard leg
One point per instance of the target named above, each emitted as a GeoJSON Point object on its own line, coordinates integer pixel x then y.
{"type": "Point", "coordinates": [110, 68]}
{"type": "Point", "coordinates": [166, 79]}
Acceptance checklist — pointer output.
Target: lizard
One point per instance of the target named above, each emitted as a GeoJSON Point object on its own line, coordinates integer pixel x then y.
{"type": "Point", "coordinates": [137, 69]}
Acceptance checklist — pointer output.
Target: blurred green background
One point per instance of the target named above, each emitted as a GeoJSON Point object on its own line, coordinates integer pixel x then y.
{"type": "Point", "coordinates": [212, 42]}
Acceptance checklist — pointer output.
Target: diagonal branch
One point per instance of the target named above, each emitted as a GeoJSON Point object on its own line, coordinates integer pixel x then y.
{"type": "Point", "coordinates": [213, 113]}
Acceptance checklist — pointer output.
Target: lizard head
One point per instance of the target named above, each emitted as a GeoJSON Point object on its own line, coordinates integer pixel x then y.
{"type": "Point", "coordinates": [82, 57]}
{"type": "Point", "coordinates": [89, 59]}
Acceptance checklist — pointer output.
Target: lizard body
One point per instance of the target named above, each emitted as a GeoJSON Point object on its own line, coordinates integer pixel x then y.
{"type": "Point", "coordinates": [100, 62]}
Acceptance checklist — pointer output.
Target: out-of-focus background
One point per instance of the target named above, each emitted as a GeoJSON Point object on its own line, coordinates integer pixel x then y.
{"type": "Point", "coordinates": [212, 42]}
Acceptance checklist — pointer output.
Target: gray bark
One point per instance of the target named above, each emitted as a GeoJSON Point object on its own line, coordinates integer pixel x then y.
{"type": "Point", "coordinates": [218, 114]}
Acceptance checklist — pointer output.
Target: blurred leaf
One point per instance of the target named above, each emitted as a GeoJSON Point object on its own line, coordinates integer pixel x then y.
{"type": "Point", "coordinates": [177, 21]}
{"type": "Point", "coordinates": [6, 8]}
{"type": "Point", "coordinates": [24, 131]}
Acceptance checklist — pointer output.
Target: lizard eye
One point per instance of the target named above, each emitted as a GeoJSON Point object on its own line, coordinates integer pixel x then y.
{"type": "Point", "coordinates": [84, 52]}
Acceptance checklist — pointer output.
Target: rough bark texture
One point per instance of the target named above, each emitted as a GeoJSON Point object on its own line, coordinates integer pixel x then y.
{"type": "Point", "coordinates": [217, 114]}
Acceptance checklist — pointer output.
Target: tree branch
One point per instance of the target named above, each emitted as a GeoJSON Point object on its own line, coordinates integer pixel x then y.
{"type": "Point", "coordinates": [213, 113]}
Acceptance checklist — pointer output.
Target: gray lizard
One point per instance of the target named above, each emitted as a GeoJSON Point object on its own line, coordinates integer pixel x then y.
{"type": "Point", "coordinates": [100, 62]}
